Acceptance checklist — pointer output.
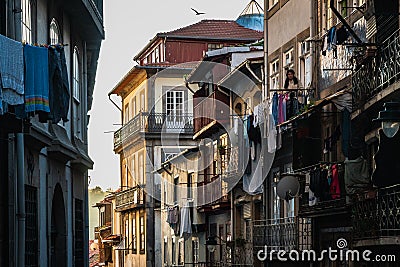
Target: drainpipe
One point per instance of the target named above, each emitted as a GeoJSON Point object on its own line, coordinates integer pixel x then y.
{"type": "Point", "coordinates": [20, 248]}
{"type": "Point", "coordinates": [20, 200]}
{"type": "Point", "coordinates": [266, 97]}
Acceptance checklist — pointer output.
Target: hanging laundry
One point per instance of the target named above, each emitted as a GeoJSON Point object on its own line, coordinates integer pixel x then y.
{"type": "Point", "coordinates": [2, 111]}
{"type": "Point", "coordinates": [12, 71]}
{"type": "Point", "coordinates": [186, 222]}
{"type": "Point", "coordinates": [271, 135]}
{"type": "Point", "coordinates": [312, 200]}
{"type": "Point", "coordinates": [236, 125]}
{"type": "Point", "coordinates": [335, 185]}
{"type": "Point", "coordinates": [330, 142]}
{"type": "Point", "coordinates": [341, 35]}
{"type": "Point", "coordinates": [275, 101]}
{"type": "Point", "coordinates": [356, 175]}
{"type": "Point", "coordinates": [256, 118]}
{"type": "Point", "coordinates": [331, 38]}
{"type": "Point", "coordinates": [292, 106]}
{"type": "Point", "coordinates": [253, 184]}
{"type": "Point", "coordinates": [324, 45]}
{"type": "Point", "coordinates": [59, 95]}
{"type": "Point", "coordinates": [36, 79]}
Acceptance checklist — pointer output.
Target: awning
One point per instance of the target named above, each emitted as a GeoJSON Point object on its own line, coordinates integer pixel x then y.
{"type": "Point", "coordinates": [342, 99]}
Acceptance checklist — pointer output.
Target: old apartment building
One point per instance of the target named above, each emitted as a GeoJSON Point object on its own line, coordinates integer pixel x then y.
{"type": "Point", "coordinates": [48, 70]}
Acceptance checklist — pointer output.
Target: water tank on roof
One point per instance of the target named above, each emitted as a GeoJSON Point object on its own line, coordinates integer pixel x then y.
{"type": "Point", "coordinates": [252, 17]}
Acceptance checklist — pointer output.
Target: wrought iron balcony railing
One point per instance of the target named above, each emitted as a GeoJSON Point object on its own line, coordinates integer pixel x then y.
{"type": "Point", "coordinates": [130, 198]}
{"type": "Point", "coordinates": [377, 216]}
{"type": "Point", "coordinates": [287, 234]}
{"type": "Point", "coordinates": [154, 123]}
{"type": "Point", "coordinates": [377, 72]}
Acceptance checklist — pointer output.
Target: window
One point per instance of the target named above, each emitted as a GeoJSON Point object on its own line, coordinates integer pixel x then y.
{"type": "Point", "coordinates": [327, 16]}
{"type": "Point", "coordinates": [31, 226]}
{"type": "Point", "coordinates": [342, 7]}
{"type": "Point", "coordinates": [305, 64]}
{"type": "Point", "coordinates": [157, 54]}
{"type": "Point", "coordinates": [141, 169]}
{"type": "Point", "coordinates": [215, 158]}
{"type": "Point", "coordinates": [126, 113]}
{"type": "Point", "coordinates": [195, 249]}
{"type": "Point", "coordinates": [127, 235]}
{"type": "Point", "coordinates": [176, 189]}
{"type": "Point", "coordinates": [76, 94]}
{"type": "Point", "coordinates": [133, 170]}
{"type": "Point", "coordinates": [102, 216]}
{"type": "Point", "coordinates": [162, 49]}
{"type": "Point", "coordinates": [174, 103]}
{"type": "Point", "coordinates": [272, 3]}
{"type": "Point", "coordinates": [76, 74]}
{"type": "Point", "coordinates": [288, 59]}
{"type": "Point", "coordinates": [165, 250]}
{"type": "Point", "coordinates": [79, 233]}
{"type": "Point", "coordinates": [142, 101]}
{"type": "Point", "coordinates": [133, 107]}
{"type": "Point", "coordinates": [55, 36]}
{"type": "Point", "coordinates": [274, 74]}
{"type": "Point", "coordinates": [189, 186]}
{"type": "Point", "coordinates": [211, 47]}
{"type": "Point", "coordinates": [181, 252]}
{"type": "Point", "coordinates": [142, 240]}
{"type": "Point", "coordinates": [134, 245]}
{"type": "Point", "coordinates": [26, 21]}
{"type": "Point", "coordinates": [173, 250]}
{"type": "Point", "coordinates": [275, 201]}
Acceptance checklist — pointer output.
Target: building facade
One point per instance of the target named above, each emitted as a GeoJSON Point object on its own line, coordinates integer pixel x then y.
{"type": "Point", "coordinates": [157, 113]}
{"type": "Point", "coordinates": [45, 162]}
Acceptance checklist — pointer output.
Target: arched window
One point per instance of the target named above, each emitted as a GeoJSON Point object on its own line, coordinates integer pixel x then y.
{"type": "Point", "coordinates": [55, 36]}
{"type": "Point", "coordinates": [76, 93]}
{"type": "Point", "coordinates": [26, 21]}
{"type": "Point", "coordinates": [76, 74]}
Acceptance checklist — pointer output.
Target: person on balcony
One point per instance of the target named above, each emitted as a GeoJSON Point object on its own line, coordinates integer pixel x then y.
{"type": "Point", "coordinates": [292, 102]}
{"type": "Point", "coordinates": [291, 81]}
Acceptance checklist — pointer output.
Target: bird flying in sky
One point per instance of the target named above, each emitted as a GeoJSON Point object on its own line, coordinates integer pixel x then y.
{"type": "Point", "coordinates": [197, 12]}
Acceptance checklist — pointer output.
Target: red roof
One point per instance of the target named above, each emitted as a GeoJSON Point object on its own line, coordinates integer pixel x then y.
{"type": "Point", "coordinates": [216, 29]}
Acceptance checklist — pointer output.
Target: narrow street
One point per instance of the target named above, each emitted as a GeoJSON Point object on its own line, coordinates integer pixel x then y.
{"type": "Point", "coordinates": [200, 133]}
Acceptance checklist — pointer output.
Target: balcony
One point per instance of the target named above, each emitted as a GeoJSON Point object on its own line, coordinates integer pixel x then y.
{"type": "Point", "coordinates": [212, 194]}
{"type": "Point", "coordinates": [88, 16]}
{"type": "Point", "coordinates": [376, 217]}
{"type": "Point", "coordinates": [210, 111]}
{"type": "Point", "coordinates": [287, 234]}
{"type": "Point", "coordinates": [153, 123]}
{"type": "Point", "coordinates": [129, 199]}
{"type": "Point", "coordinates": [377, 72]}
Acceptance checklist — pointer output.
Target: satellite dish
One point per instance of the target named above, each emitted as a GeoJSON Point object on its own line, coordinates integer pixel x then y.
{"type": "Point", "coordinates": [288, 187]}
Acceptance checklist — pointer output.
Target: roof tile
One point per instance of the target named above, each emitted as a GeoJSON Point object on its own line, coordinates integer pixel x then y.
{"type": "Point", "coordinates": [216, 29]}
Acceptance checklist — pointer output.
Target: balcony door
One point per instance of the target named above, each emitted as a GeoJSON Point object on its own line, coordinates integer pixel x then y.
{"type": "Point", "coordinates": [175, 110]}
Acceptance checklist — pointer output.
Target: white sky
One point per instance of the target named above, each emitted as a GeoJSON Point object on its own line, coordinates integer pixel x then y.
{"type": "Point", "coordinates": [129, 25]}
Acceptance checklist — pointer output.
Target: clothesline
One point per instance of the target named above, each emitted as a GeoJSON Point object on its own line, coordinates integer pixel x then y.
{"type": "Point", "coordinates": [312, 166]}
